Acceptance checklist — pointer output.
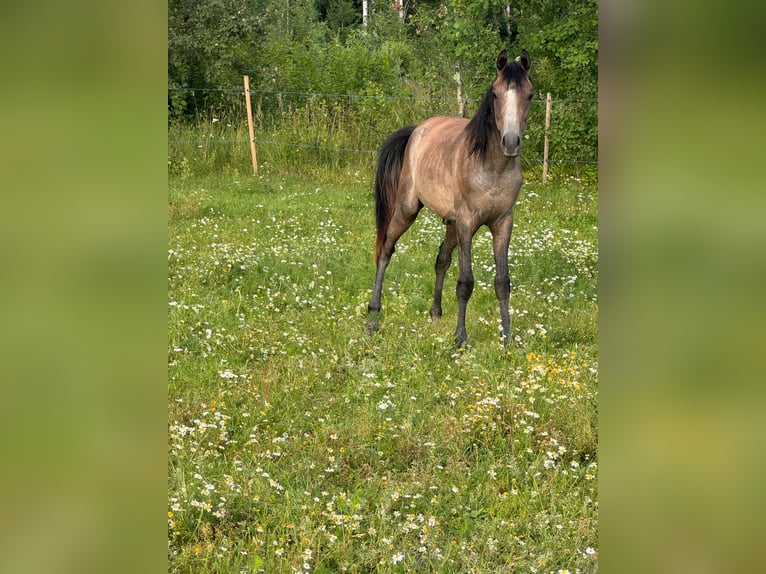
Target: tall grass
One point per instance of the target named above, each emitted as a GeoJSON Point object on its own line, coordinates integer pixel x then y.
{"type": "Point", "coordinates": [299, 443]}
{"type": "Point", "coordinates": [310, 133]}
{"type": "Point", "coordinates": [294, 129]}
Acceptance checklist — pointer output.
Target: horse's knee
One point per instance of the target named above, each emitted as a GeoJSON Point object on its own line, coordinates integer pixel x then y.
{"type": "Point", "coordinates": [443, 260]}
{"type": "Point", "coordinates": [464, 287]}
{"type": "Point", "coordinates": [502, 285]}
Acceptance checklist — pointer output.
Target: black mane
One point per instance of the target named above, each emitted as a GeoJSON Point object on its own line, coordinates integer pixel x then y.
{"type": "Point", "coordinates": [482, 124]}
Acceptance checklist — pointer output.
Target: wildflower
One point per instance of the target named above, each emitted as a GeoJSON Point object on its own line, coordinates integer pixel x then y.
{"type": "Point", "coordinates": [398, 557]}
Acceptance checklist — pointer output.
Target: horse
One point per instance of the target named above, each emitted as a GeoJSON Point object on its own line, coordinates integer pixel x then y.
{"type": "Point", "coordinates": [467, 172]}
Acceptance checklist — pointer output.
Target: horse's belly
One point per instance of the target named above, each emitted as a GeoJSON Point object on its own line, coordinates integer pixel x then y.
{"type": "Point", "coordinates": [442, 205]}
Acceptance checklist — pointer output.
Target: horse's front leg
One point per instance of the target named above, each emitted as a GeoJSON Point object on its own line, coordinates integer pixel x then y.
{"type": "Point", "coordinates": [464, 282]}
{"type": "Point", "coordinates": [443, 261]}
{"type": "Point", "coordinates": [501, 239]}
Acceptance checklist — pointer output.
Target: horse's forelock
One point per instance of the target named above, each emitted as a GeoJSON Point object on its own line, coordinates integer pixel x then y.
{"type": "Point", "coordinates": [514, 73]}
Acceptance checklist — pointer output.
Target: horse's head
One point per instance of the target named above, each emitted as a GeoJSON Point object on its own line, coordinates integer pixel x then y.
{"type": "Point", "coordinates": [512, 92]}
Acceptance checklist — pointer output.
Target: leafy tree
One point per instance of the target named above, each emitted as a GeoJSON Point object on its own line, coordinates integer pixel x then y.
{"type": "Point", "coordinates": [340, 15]}
{"type": "Point", "coordinates": [461, 36]}
{"type": "Point", "coordinates": [209, 45]}
{"type": "Point", "coordinates": [564, 37]}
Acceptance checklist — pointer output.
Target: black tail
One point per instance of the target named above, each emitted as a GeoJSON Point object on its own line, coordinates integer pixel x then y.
{"type": "Point", "coordinates": [390, 163]}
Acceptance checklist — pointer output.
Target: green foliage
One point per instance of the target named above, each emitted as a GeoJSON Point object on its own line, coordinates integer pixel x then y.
{"type": "Point", "coordinates": [374, 79]}
{"type": "Point", "coordinates": [210, 43]}
{"type": "Point", "coordinates": [564, 36]}
{"type": "Point", "coordinates": [340, 15]}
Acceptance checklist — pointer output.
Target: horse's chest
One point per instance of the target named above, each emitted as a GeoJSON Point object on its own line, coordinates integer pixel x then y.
{"type": "Point", "coordinates": [494, 195]}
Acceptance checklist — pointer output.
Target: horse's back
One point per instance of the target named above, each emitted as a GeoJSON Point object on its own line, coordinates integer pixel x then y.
{"type": "Point", "coordinates": [443, 133]}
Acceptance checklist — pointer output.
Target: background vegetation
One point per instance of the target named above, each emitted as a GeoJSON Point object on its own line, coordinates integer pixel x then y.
{"type": "Point", "coordinates": [371, 79]}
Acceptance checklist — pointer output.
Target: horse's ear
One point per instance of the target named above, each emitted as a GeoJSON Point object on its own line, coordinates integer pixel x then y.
{"type": "Point", "coordinates": [524, 60]}
{"type": "Point", "coordinates": [502, 60]}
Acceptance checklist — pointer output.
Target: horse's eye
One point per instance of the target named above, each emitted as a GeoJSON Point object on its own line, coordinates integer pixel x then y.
{"type": "Point", "coordinates": [530, 96]}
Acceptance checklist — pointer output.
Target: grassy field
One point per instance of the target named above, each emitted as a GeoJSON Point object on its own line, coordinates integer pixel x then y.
{"type": "Point", "coordinates": [298, 443]}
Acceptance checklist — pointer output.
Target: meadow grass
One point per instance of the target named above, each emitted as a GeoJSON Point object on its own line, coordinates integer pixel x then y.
{"type": "Point", "coordinates": [298, 443]}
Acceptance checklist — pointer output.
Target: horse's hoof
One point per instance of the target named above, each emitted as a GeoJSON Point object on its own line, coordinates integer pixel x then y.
{"type": "Point", "coordinates": [372, 326]}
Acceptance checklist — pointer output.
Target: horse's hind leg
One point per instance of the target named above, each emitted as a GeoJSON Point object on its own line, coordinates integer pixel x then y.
{"type": "Point", "coordinates": [401, 221]}
{"type": "Point", "coordinates": [443, 261]}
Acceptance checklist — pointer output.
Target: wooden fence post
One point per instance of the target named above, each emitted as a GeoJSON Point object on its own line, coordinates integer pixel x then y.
{"type": "Point", "coordinates": [547, 127]}
{"type": "Point", "coordinates": [250, 124]}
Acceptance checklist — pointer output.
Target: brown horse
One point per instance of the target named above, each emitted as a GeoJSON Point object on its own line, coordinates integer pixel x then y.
{"type": "Point", "coordinates": [467, 172]}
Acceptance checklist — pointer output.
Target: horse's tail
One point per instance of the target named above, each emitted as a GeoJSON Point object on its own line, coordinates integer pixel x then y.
{"type": "Point", "coordinates": [390, 162]}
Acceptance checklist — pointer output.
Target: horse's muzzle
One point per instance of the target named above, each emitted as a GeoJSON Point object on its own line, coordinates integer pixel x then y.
{"type": "Point", "coordinates": [511, 144]}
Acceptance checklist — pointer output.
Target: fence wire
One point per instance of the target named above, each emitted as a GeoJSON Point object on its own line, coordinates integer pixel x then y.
{"type": "Point", "coordinates": [278, 110]}
{"type": "Point", "coordinates": [360, 96]}
{"type": "Point", "coordinates": [200, 143]}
